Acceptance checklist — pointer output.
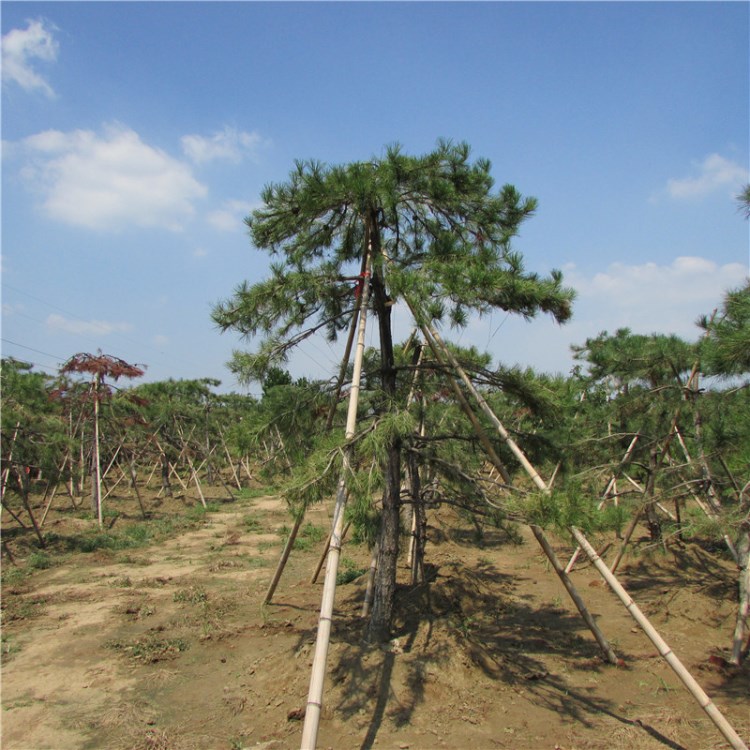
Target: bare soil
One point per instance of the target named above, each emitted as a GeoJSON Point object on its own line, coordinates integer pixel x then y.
{"type": "Point", "coordinates": [167, 646]}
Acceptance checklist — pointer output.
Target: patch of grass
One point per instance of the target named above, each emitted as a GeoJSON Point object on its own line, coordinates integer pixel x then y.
{"type": "Point", "coordinates": [128, 559]}
{"type": "Point", "coordinates": [21, 608]}
{"type": "Point", "coordinates": [150, 649]}
{"type": "Point", "coordinates": [198, 512]}
{"type": "Point", "coordinates": [252, 524]}
{"type": "Point", "coordinates": [123, 582]}
{"type": "Point", "coordinates": [191, 595]}
{"type": "Point", "coordinates": [135, 609]}
{"type": "Point", "coordinates": [248, 493]}
{"type": "Point", "coordinates": [139, 533]}
{"type": "Point", "coordinates": [349, 572]}
{"type": "Point", "coordinates": [12, 575]}
{"type": "Point", "coordinates": [8, 647]}
{"type": "Point", "coordinates": [308, 536]}
{"type": "Point", "coordinates": [39, 561]}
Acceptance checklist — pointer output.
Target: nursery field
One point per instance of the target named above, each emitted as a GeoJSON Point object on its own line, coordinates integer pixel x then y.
{"type": "Point", "coordinates": [152, 635]}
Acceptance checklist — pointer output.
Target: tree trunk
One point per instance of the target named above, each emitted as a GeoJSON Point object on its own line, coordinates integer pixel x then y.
{"type": "Point", "coordinates": [743, 611]}
{"type": "Point", "coordinates": [96, 475]}
{"type": "Point", "coordinates": [385, 578]}
{"type": "Point", "coordinates": [165, 485]}
{"type": "Point", "coordinates": [652, 519]}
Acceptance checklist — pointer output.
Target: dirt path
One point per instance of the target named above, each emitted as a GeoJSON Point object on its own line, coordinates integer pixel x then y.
{"type": "Point", "coordinates": [167, 647]}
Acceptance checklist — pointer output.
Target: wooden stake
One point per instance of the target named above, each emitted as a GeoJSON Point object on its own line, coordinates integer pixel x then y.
{"type": "Point", "coordinates": [284, 557]}
{"type": "Point", "coordinates": [317, 677]}
{"type": "Point", "coordinates": [435, 342]}
{"type": "Point", "coordinates": [687, 679]}
{"type": "Point", "coordinates": [607, 650]}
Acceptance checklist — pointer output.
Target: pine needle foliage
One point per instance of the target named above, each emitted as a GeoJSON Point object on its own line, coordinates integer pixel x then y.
{"type": "Point", "coordinates": [443, 235]}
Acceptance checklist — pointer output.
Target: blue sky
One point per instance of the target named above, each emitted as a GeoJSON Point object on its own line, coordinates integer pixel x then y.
{"type": "Point", "coordinates": [136, 136]}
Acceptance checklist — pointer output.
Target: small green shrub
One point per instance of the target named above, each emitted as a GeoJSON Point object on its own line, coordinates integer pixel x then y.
{"type": "Point", "coordinates": [39, 561]}
{"type": "Point", "coordinates": [252, 524]}
{"type": "Point", "coordinates": [349, 573]}
{"type": "Point", "coordinates": [150, 649]}
{"type": "Point", "coordinates": [249, 493]}
{"type": "Point", "coordinates": [191, 595]}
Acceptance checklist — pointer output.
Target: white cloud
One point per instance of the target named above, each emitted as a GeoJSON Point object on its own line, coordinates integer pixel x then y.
{"type": "Point", "coordinates": [22, 46]}
{"type": "Point", "coordinates": [109, 181]}
{"type": "Point", "coordinates": [230, 218]}
{"type": "Point", "coordinates": [159, 340]}
{"type": "Point", "coordinates": [714, 173]}
{"type": "Point", "coordinates": [85, 328]}
{"type": "Point", "coordinates": [229, 144]}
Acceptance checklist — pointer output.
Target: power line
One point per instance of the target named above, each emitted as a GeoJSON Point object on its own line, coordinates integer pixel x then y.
{"type": "Point", "coordinates": [37, 351]}
{"type": "Point", "coordinates": [84, 337]}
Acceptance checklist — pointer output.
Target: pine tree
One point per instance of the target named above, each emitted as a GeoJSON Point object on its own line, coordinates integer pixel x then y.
{"type": "Point", "coordinates": [428, 230]}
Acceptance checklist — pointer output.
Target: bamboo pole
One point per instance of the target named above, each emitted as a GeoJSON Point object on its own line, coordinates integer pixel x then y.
{"type": "Point", "coordinates": [347, 349]}
{"type": "Point", "coordinates": [435, 342]}
{"type": "Point", "coordinates": [284, 557]}
{"type": "Point", "coordinates": [666, 652]}
{"type": "Point", "coordinates": [96, 488]}
{"type": "Point", "coordinates": [229, 460]}
{"type": "Point", "coordinates": [329, 422]}
{"type": "Point", "coordinates": [575, 596]}
{"type": "Point", "coordinates": [317, 677]}
{"type": "Point", "coordinates": [134, 483]}
{"type": "Point", "coordinates": [324, 552]}
{"type": "Point", "coordinates": [6, 470]}
{"type": "Point", "coordinates": [49, 504]}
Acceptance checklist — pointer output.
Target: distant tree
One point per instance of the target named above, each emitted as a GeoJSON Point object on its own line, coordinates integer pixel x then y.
{"type": "Point", "coordinates": [428, 230]}
{"type": "Point", "coordinates": [744, 200]}
{"type": "Point", "coordinates": [101, 367]}
{"type": "Point", "coordinates": [726, 349]}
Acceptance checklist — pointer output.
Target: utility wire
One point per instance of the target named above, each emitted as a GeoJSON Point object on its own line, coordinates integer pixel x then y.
{"type": "Point", "coordinates": [88, 338]}
{"type": "Point", "coordinates": [37, 351]}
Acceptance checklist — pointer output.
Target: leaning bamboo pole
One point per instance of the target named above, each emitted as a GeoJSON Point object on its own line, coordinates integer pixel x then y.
{"type": "Point", "coordinates": [666, 652]}
{"type": "Point", "coordinates": [96, 488]}
{"type": "Point", "coordinates": [611, 486]}
{"type": "Point", "coordinates": [437, 344]}
{"type": "Point", "coordinates": [329, 423]}
{"type": "Point", "coordinates": [9, 460]}
{"type": "Point", "coordinates": [317, 677]}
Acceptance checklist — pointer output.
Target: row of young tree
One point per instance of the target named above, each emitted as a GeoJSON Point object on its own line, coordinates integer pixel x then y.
{"type": "Point", "coordinates": [649, 428]}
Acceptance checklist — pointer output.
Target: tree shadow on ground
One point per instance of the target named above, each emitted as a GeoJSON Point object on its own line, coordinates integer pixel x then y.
{"type": "Point", "coordinates": [472, 613]}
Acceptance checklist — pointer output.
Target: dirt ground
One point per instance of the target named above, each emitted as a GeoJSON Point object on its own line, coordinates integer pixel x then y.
{"type": "Point", "coordinates": [166, 645]}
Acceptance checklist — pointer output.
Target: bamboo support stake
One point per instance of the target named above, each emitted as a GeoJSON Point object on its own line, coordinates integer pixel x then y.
{"type": "Point", "coordinates": [324, 553]}
{"type": "Point", "coordinates": [49, 504]}
{"type": "Point", "coordinates": [284, 557]}
{"type": "Point", "coordinates": [97, 478]}
{"type": "Point", "coordinates": [229, 460]}
{"type": "Point", "coordinates": [575, 596]}
{"type": "Point", "coordinates": [666, 652]}
{"type": "Point", "coordinates": [317, 677]}
{"type": "Point", "coordinates": [436, 342]}
{"type": "Point", "coordinates": [195, 480]}
{"type": "Point", "coordinates": [134, 483]}
{"type": "Point", "coordinates": [430, 332]}
{"type": "Point", "coordinates": [6, 470]}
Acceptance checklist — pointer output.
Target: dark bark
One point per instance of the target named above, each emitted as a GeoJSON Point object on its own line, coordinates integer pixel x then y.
{"type": "Point", "coordinates": [420, 522]}
{"type": "Point", "coordinates": [165, 485]}
{"type": "Point", "coordinates": [652, 518]}
{"type": "Point", "coordinates": [385, 582]}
